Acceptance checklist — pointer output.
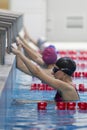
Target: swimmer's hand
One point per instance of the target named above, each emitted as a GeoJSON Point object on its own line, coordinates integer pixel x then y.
{"type": "Point", "coordinates": [19, 42]}
{"type": "Point", "coordinates": [14, 50]}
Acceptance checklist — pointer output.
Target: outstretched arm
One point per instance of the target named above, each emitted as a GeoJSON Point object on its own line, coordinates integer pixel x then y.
{"type": "Point", "coordinates": [32, 54]}
{"type": "Point", "coordinates": [27, 37]}
{"type": "Point", "coordinates": [20, 64]}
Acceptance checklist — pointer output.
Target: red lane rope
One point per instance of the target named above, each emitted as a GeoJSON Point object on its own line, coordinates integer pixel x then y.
{"type": "Point", "coordinates": [81, 87]}
{"type": "Point", "coordinates": [63, 105]}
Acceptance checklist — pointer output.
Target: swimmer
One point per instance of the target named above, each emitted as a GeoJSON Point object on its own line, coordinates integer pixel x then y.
{"type": "Point", "coordinates": [41, 43]}
{"type": "Point", "coordinates": [61, 78]}
{"type": "Point", "coordinates": [46, 60]}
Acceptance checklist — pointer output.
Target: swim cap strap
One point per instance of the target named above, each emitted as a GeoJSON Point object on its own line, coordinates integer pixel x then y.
{"type": "Point", "coordinates": [67, 71]}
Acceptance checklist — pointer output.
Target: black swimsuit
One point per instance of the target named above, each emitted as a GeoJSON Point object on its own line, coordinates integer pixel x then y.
{"type": "Point", "coordinates": [58, 96]}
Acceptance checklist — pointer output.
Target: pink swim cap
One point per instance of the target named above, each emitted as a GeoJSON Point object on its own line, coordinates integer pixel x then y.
{"type": "Point", "coordinates": [49, 55]}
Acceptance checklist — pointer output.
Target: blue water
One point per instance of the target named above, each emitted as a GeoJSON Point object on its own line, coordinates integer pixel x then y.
{"type": "Point", "coordinates": [22, 116]}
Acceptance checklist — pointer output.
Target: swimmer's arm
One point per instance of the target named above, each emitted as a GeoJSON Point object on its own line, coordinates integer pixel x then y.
{"type": "Point", "coordinates": [33, 54]}
{"type": "Point", "coordinates": [21, 66]}
{"type": "Point", "coordinates": [39, 73]}
{"type": "Point", "coordinates": [25, 42]}
{"type": "Point", "coordinates": [27, 36]}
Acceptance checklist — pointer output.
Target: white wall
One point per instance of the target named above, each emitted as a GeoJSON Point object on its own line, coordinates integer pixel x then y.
{"type": "Point", "coordinates": [34, 15]}
{"type": "Point", "coordinates": [60, 27]}
{"type": "Point", "coordinates": [67, 20]}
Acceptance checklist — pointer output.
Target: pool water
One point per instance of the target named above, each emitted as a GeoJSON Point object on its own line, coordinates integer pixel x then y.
{"type": "Point", "coordinates": [26, 116]}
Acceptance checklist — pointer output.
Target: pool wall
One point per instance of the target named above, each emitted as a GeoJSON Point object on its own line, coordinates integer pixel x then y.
{"type": "Point", "coordinates": [7, 82]}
